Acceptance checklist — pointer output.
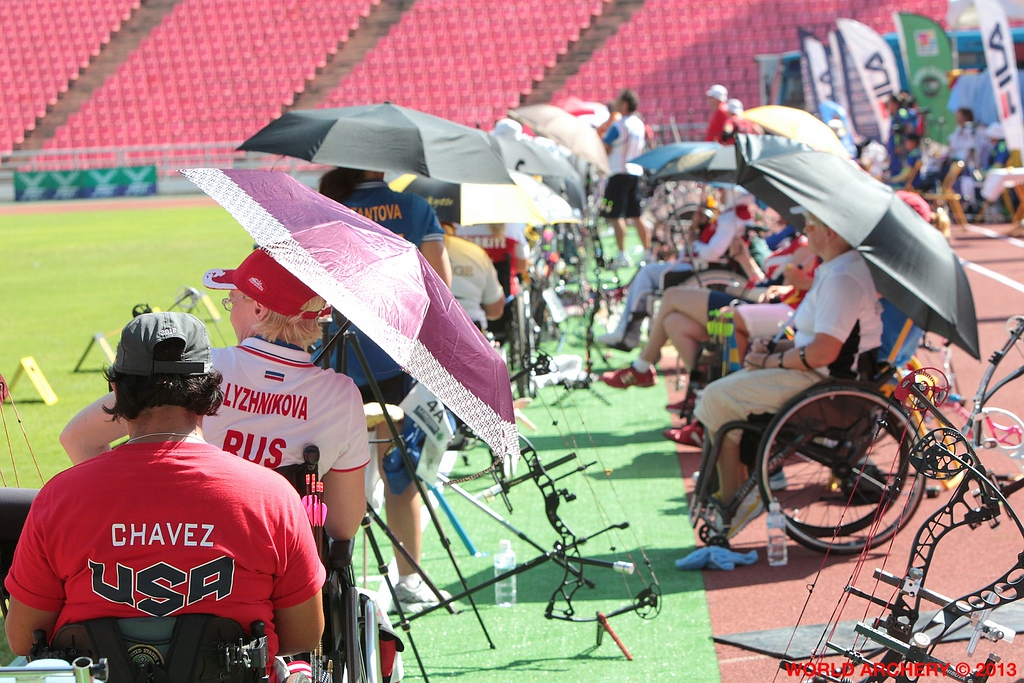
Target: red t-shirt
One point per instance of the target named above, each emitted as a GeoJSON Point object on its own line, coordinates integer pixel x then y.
{"type": "Point", "coordinates": [162, 529]}
{"type": "Point", "coordinates": [717, 124]}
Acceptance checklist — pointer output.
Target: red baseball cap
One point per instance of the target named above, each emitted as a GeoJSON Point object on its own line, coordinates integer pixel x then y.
{"type": "Point", "coordinates": [262, 278]}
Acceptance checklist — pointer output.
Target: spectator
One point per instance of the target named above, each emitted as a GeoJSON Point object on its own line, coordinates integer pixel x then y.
{"type": "Point", "coordinates": [908, 155]}
{"type": "Point", "coordinates": [998, 152]}
{"type": "Point", "coordinates": [414, 219]}
{"type": "Point", "coordinates": [736, 124]}
{"type": "Point", "coordinates": [625, 140]}
{"type": "Point", "coordinates": [275, 323]}
{"type": "Point", "coordinates": [167, 498]}
{"type": "Point", "coordinates": [718, 97]}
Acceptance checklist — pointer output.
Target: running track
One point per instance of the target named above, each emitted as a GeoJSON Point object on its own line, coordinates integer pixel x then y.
{"type": "Point", "coordinates": [760, 597]}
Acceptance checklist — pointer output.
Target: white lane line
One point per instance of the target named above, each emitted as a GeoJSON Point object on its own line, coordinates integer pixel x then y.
{"type": "Point", "coordinates": [1013, 284]}
{"type": "Point", "coordinates": [982, 270]}
{"type": "Point", "coordinates": [995, 235]}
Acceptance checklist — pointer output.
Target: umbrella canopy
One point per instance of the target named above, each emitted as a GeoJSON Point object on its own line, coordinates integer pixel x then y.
{"type": "Point", "coordinates": [911, 263]}
{"type": "Point", "coordinates": [721, 166]}
{"type": "Point", "coordinates": [384, 137]}
{"type": "Point", "coordinates": [472, 203]}
{"type": "Point", "coordinates": [575, 134]}
{"type": "Point", "coordinates": [797, 124]}
{"type": "Point", "coordinates": [553, 207]}
{"type": "Point", "coordinates": [381, 283]}
{"type": "Point", "coordinates": [659, 157]}
{"type": "Point", "coordinates": [526, 156]}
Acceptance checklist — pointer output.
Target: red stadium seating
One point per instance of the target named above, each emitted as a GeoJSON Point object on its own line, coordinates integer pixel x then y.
{"type": "Point", "coordinates": [44, 45]}
{"type": "Point", "coordinates": [470, 63]}
{"type": "Point", "coordinates": [212, 71]}
{"type": "Point", "coordinates": [707, 43]}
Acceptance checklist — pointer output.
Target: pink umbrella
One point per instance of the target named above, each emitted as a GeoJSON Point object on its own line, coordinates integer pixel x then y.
{"type": "Point", "coordinates": [380, 282]}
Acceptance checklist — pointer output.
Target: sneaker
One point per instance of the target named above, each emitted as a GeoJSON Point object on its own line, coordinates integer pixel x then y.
{"type": "Point", "coordinates": [677, 407]}
{"type": "Point", "coordinates": [690, 435]}
{"type": "Point", "coordinates": [615, 340]}
{"type": "Point", "coordinates": [750, 508]}
{"type": "Point", "coordinates": [417, 597]}
{"type": "Point", "coordinates": [620, 261]}
{"type": "Point", "coordinates": [629, 377]}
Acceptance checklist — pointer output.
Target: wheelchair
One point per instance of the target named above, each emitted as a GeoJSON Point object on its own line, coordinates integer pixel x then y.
{"type": "Point", "coordinates": [835, 457]}
{"type": "Point", "coordinates": [517, 332]}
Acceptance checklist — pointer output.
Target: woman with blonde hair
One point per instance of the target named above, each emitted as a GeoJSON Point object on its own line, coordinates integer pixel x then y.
{"type": "Point", "coordinates": [276, 402]}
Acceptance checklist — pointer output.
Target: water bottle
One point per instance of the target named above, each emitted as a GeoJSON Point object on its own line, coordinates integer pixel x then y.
{"type": "Point", "coordinates": [777, 556]}
{"type": "Point", "coordinates": [504, 561]}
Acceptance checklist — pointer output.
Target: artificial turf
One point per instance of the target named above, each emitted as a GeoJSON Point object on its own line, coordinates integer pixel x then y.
{"type": "Point", "coordinates": [70, 275]}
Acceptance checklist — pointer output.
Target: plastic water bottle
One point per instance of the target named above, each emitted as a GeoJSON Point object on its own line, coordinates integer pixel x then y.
{"type": "Point", "coordinates": [504, 561]}
{"type": "Point", "coordinates": [777, 554]}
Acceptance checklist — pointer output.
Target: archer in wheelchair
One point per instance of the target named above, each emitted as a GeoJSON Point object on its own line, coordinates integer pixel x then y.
{"type": "Point", "coordinates": [838, 330]}
{"type": "Point", "coordinates": [714, 233]}
{"type": "Point", "coordinates": [166, 556]}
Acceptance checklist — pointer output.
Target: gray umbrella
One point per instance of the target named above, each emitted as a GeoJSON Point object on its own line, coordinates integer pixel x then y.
{"type": "Point", "coordinates": [911, 263]}
{"type": "Point", "coordinates": [526, 156]}
{"type": "Point", "coordinates": [384, 137]}
{"type": "Point", "coordinates": [721, 166]}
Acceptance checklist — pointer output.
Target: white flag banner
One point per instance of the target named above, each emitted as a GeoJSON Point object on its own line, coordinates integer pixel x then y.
{"type": "Point", "coordinates": [840, 93]}
{"type": "Point", "coordinates": [876, 67]}
{"type": "Point", "coordinates": [816, 71]}
{"type": "Point", "coordinates": [1002, 70]}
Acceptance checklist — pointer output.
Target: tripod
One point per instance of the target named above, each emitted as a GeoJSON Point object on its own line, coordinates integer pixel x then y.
{"type": "Point", "coordinates": [351, 342]}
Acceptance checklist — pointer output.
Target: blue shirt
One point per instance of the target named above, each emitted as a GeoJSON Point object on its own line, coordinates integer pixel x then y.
{"type": "Point", "coordinates": [405, 214]}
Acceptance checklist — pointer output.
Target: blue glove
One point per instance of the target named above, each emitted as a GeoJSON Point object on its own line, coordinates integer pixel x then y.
{"type": "Point", "coordinates": [716, 557]}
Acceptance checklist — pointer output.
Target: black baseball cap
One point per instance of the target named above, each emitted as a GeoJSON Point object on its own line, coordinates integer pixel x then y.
{"type": "Point", "coordinates": [140, 337]}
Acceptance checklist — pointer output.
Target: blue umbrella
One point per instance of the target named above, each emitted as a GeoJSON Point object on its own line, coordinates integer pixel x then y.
{"type": "Point", "coordinates": [658, 157]}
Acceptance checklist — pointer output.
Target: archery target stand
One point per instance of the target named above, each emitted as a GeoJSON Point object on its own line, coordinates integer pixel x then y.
{"type": "Point", "coordinates": [98, 340]}
{"type": "Point", "coordinates": [28, 366]}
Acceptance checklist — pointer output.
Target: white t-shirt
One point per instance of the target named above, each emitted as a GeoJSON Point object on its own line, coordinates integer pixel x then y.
{"type": "Point", "coordinates": [627, 138]}
{"type": "Point", "coordinates": [276, 402]}
{"type": "Point", "coordinates": [843, 293]}
{"type": "Point", "coordinates": [474, 279]}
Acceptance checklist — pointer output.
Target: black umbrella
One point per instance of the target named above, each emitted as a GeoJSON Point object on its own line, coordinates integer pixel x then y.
{"type": "Point", "coordinates": [912, 265]}
{"type": "Point", "coordinates": [384, 137]}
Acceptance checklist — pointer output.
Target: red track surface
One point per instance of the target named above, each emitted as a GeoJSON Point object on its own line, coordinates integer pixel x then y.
{"type": "Point", "coordinates": [761, 597]}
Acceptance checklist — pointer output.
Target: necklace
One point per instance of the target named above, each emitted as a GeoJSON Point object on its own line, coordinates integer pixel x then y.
{"type": "Point", "coordinates": [190, 435]}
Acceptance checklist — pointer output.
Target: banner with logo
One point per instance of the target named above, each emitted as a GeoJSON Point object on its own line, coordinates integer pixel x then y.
{"type": "Point", "coordinates": [877, 72]}
{"type": "Point", "coordinates": [1002, 71]}
{"type": "Point", "coordinates": [92, 184]}
{"type": "Point", "coordinates": [839, 93]}
{"type": "Point", "coordinates": [815, 69]}
{"type": "Point", "coordinates": [927, 58]}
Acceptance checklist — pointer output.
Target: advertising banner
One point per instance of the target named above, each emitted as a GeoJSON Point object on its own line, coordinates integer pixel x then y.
{"type": "Point", "coordinates": [816, 70]}
{"type": "Point", "coordinates": [927, 59]}
{"type": "Point", "coordinates": [878, 74]}
{"type": "Point", "coordinates": [1002, 71]}
{"type": "Point", "coordinates": [93, 184]}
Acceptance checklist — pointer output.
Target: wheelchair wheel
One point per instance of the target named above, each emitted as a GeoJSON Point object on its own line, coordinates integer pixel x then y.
{"type": "Point", "coordinates": [520, 345]}
{"type": "Point", "coordinates": [718, 279]}
{"type": "Point", "coordinates": [836, 459]}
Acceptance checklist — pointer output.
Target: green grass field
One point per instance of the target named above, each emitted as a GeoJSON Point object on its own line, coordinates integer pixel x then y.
{"type": "Point", "coordinates": [71, 275]}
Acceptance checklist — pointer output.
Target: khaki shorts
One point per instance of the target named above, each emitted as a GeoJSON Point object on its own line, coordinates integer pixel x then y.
{"type": "Point", "coordinates": [748, 392]}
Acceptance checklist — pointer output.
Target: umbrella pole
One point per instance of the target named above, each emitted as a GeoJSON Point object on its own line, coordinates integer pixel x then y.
{"type": "Point", "coordinates": [351, 341]}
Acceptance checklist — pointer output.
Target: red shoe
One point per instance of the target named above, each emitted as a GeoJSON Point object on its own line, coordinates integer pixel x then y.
{"type": "Point", "coordinates": [629, 377]}
{"type": "Point", "coordinates": [678, 406]}
{"type": "Point", "coordinates": [690, 435]}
